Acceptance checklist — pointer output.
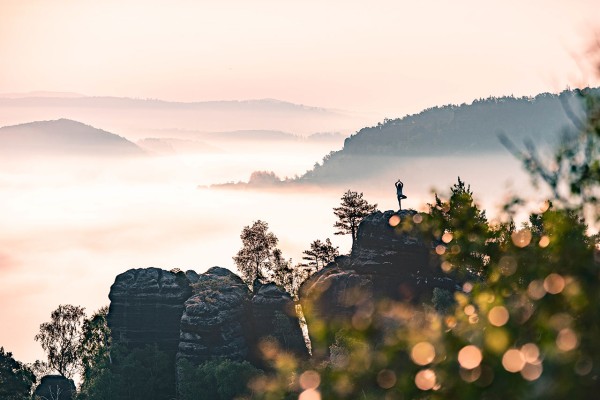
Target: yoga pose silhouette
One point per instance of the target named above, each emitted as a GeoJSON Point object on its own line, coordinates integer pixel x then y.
{"type": "Point", "coordinates": [399, 186]}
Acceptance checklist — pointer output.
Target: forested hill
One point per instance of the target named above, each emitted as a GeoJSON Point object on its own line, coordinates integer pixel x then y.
{"type": "Point", "coordinates": [456, 130]}
{"type": "Point", "coordinates": [468, 127]}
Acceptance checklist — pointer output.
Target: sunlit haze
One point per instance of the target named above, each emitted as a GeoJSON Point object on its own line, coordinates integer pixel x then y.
{"type": "Point", "coordinates": [70, 225]}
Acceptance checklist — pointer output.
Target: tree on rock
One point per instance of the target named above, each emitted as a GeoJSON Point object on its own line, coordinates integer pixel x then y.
{"type": "Point", "coordinates": [259, 256]}
{"type": "Point", "coordinates": [352, 210]}
{"type": "Point", "coordinates": [320, 254]}
{"type": "Point", "coordinates": [60, 339]}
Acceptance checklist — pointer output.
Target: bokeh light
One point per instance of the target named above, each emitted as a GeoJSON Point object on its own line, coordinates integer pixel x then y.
{"type": "Point", "coordinates": [310, 394]}
{"type": "Point", "coordinates": [310, 380]}
{"type": "Point", "coordinates": [425, 379]}
{"type": "Point", "coordinates": [584, 366]}
{"type": "Point", "coordinates": [447, 237]}
{"type": "Point", "coordinates": [469, 357]}
{"type": "Point", "coordinates": [513, 360]}
{"type": "Point", "coordinates": [394, 220]}
{"type": "Point", "coordinates": [422, 353]}
{"type": "Point", "coordinates": [531, 353]}
{"type": "Point", "coordinates": [531, 372]}
{"type": "Point", "coordinates": [446, 266]}
{"type": "Point", "coordinates": [386, 378]}
{"type": "Point", "coordinates": [521, 238]}
{"type": "Point", "coordinates": [417, 218]}
{"type": "Point", "coordinates": [536, 290]}
{"type": "Point", "coordinates": [566, 340]}
{"type": "Point", "coordinates": [544, 242]}
{"type": "Point", "coordinates": [554, 283]}
{"type": "Point", "coordinates": [498, 316]}
{"type": "Point", "coordinates": [470, 375]}
{"type": "Point", "coordinates": [440, 249]}
{"type": "Point", "coordinates": [496, 340]}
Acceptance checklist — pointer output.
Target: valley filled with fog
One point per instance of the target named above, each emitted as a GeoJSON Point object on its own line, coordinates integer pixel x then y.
{"type": "Point", "coordinates": [86, 219]}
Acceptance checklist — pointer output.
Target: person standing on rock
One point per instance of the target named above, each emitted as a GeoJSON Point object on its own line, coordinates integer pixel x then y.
{"type": "Point", "coordinates": [399, 186]}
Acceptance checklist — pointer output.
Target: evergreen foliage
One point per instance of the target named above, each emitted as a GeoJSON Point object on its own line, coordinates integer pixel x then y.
{"type": "Point", "coordinates": [351, 212]}
{"type": "Point", "coordinates": [320, 254]}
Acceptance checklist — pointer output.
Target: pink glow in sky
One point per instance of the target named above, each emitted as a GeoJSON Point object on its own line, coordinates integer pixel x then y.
{"type": "Point", "coordinates": [392, 57]}
{"type": "Point", "coordinates": [67, 230]}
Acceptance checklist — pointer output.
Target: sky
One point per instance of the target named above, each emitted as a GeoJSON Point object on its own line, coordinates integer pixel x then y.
{"type": "Point", "coordinates": [393, 57]}
{"type": "Point", "coordinates": [67, 231]}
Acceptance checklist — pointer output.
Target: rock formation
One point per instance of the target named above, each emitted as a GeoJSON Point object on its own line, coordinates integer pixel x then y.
{"type": "Point", "coordinates": [201, 317]}
{"type": "Point", "coordinates": [385, 263]}
{"type": "Point", "coordinates": [216, 320]}
{"type": "Point", "coordinates": [274, 317]}
{"type": "Point", "coordinates": [55, 387]}
{"type": "Point", "coordinates": [146, 307]}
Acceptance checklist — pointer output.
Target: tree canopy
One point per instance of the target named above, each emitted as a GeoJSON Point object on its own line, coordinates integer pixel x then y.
{"type": "Point", "coordinates": [259, 257]}
{"type": "Point", "coordinates": [60, 338]}
{"type": "Point", "coordinates": [320, 254]}
{"type": "Point", "coordinates": [16, 379]}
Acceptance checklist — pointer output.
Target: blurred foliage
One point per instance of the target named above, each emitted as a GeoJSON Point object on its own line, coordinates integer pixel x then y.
{"type": "Point", "coordinates": [525, 324]}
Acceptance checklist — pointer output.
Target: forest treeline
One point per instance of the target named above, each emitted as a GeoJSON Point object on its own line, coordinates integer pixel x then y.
{"type": "Point", "coordinates": [475, 129]}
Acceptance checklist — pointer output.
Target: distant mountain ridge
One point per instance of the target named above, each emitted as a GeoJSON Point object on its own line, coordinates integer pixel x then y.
{"type": "Point", "coordinates": [453, 130]}
{"type": "Point", "coordinates": [63, 137]}
{"type": "Point", "coordinates": [134, 117]}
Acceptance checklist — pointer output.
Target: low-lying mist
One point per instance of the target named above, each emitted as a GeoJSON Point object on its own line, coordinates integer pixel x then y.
{"type": "Point", "coordinates": [72, 224]}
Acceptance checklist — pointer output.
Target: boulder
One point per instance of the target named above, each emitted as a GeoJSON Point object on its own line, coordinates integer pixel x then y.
{"type": "Point", "coordinates": [53, 387]}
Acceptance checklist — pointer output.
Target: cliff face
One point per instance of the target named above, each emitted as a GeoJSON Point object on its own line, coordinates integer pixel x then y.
{"type": "Point", "coordinates": [386, 263]}
{"type": "Point", "coordinates": [274, 318]}
{"type": "Point", "coordinates": [201, 317]}
{"type": "Point", "coordinates": [216, 319]}
{"type": "Point", "coordinates": [146, 307]}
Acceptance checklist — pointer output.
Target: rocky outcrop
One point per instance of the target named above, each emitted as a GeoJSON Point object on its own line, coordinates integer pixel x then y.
{"type": "Point", "coordinates": [224, 320]}
{"type": "Point", "coordinates": [387, 262]}
{"type": "Point", "coordinates": [216, 320]}
{"type": "Point", "coordinates": [274, 318]}
{"type": "Point", "coordinates": [146, 307]}
{"type": "Point", "coordinates": [201, 317]}
{"type": "Point", "coordinates": [55, 387]}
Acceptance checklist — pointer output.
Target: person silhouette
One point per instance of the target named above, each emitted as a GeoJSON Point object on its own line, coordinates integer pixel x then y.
{"type": "Point", "coordinates": [399, 186]}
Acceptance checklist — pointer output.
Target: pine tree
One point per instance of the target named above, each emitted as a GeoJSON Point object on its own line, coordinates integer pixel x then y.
{"type": "Point", "coordinates": [351, 212]}
{"type": "Point", "coordinates": [320, 254]}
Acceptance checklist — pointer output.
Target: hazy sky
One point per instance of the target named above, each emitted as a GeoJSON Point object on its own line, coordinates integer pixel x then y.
{"type": "Point", "coordinates": [393, 57]}
{"type": "Point", "coordinates": [390, 56]}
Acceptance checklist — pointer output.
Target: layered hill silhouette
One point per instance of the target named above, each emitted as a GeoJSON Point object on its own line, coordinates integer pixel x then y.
{"type": "Point", "coordinates": [136, 117]}
{"type": "Point", "coordinates": [63, 137]}
{"type": "Point", "coordinates": [484, 127]}
{"type": "Point", "coordinates": [480, 129]}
